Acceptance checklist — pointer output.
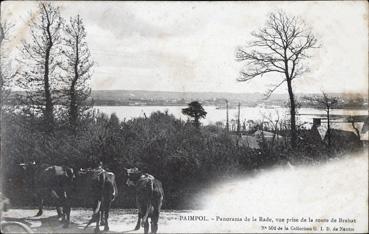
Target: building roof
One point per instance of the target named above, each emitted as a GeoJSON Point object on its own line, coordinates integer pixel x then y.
{"type": "Point", "coordinates": [250, 141]}
{"type": "Point", "coordinates": [338, 133]}
{"type": "Point", "coordinates": [266, 134]}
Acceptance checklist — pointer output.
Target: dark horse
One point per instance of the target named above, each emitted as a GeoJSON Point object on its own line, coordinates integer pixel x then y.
{"type": "Point", "coordinates": [56, 181]}
{"type": "Point", "coordinates": [149, 198]}
{"type": "Point", "coordinates": [101, 187]}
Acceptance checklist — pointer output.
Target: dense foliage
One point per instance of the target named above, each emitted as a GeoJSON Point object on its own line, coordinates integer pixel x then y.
{"type": "Point", "coordinates": [185, 158]}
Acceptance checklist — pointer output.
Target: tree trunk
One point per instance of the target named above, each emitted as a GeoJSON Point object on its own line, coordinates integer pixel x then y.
{"type": "Point", "coordinates": [49, 108]}
{"type": "Point", "coordinates": [196, 121]}
{"type": "Point", "coordinates": [73, 111]}
{"type": "Point", "coordinates": [293, 115]}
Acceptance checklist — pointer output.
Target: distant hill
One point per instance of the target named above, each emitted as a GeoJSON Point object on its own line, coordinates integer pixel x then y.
{"type": "Point", "coordinates": [166, 98]}
{"type": "Point", "coordinates": [142, 97]}
{"type": "Point", "coordinates": [125, 94]}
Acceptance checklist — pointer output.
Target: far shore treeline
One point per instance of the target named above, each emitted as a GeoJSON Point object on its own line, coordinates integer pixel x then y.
{"type": "Point", "coordinates": [53, 121]}
{"type": "Point", "coordinates": [164, 98]}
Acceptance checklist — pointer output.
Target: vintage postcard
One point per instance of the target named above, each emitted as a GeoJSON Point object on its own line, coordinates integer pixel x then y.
{"type": "Point", "coordinates": [184, 117]}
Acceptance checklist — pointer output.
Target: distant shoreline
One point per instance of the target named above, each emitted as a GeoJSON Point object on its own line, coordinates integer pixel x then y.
{"type": "Point", "coordinates": [161, 98]}
{"type": "Point", "coordinates": [235, 107]}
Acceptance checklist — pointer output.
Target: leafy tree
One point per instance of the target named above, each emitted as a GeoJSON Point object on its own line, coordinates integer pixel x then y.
{"type": "Point", "coordinates": [77, 68]}
{"type": "Point", "coordinates": [279, 47]}
{"type": "Point", "coordinates": [195, 111]}
{"type": "Point", "coordinates": [39, 63]}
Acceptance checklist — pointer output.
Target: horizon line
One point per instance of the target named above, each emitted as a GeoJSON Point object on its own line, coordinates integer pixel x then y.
{"type": "Point", "coordinates": [173, 91]}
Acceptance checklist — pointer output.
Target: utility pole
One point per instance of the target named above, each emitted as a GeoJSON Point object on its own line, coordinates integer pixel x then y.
{"type": "Point", "coordinates": [238, 121]}
{"type": "Point", "coordinates": [329, 127]}
{"type": "Point", "coordinates": [227, 123]}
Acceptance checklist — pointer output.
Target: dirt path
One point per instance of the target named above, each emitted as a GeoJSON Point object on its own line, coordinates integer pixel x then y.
{"type": "Point", "coordinates": [120, 221]}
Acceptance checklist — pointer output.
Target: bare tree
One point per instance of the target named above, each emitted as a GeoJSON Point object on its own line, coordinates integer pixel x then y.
{"type": "Point", "coordinates": [281, 48]}
{"type": "Point", "coordinates": [40, 62]}
{"type": "Point", "coordinates": [6, 72]}
{"type": "Point", "coordinates": [77, 69]}
{"type": "Point", "coordinates": [326, 102]}
{"type": "Point", "coordinates": [274, 124]}
{"type": "Point", "coordinates": [354, 123]}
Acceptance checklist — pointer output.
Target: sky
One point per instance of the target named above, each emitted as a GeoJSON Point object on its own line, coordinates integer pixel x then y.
{"type": "Point", "coordinates": [190, 46]}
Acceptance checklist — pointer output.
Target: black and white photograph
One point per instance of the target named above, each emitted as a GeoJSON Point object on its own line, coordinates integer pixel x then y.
{"type": "Point", "coordinates": [184, 117]}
